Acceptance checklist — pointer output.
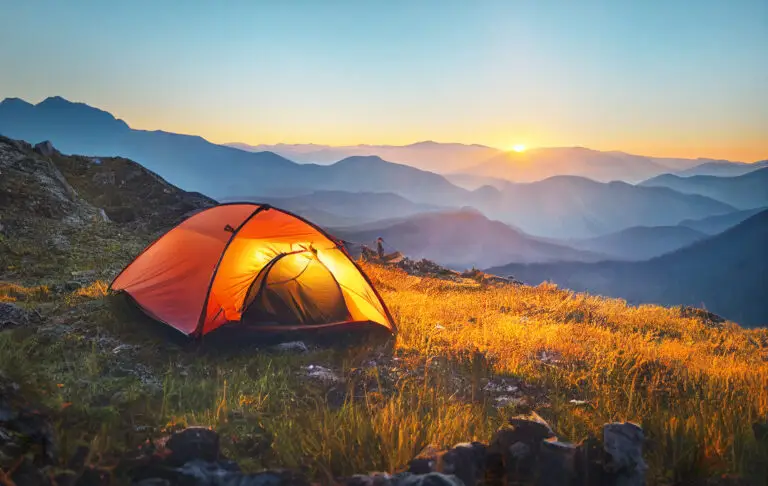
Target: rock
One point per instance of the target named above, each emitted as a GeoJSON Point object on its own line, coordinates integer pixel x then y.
{"type": "Point", "coordinates": [201, 473]}
{"type": "Point", "coordinates": [466, 461]}
{"type": "Point", "coordinates": [72, 285]}
{"type": "Point", "coordinates": [431, 479]}
{"type": "Point", "coordinates": [45, 149]}
{"type": "Point", "coordinates": [589, 465]}
{"type": "Point", "coordinates": [514, 449]}
{"type": "Point", "coordinates": [193, 443]}
{"type": "Point", "coordinates": [623, 445]}
{"type": "Point", "coordinates": [557, 464]}
{"type": "Point", "coordinates": [375, 479]}
{"type": "Point", "coordinates": [702, 315]}
{"type": "Point", "coordinates": [12, 316]}
{"type": "Point", "coordinates": [322, 373]}
{"type": "Point", "coordinates": [292, 346]}
{"type": "Point", "coordinates": [153, 482]}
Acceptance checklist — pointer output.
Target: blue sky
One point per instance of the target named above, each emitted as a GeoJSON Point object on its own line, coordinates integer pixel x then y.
{"type": "Point", "coordinates": [674, 77]}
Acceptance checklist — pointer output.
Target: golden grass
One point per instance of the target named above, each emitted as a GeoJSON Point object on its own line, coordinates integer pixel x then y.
{"type": "Point", "coordinates": [695, 388]}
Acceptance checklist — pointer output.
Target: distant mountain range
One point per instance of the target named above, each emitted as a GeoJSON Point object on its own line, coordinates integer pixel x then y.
{"type": "Point", "coordinates": [726, 274]}
{"type": "Point", "coordinates": [432, 156]}
{"type": "Point", "coordinates": [562, 207]}
{"type": "Point", "coordinates": [340, 208]}
{"type": "Point", "coordinates": [537, 164]}
{"type": "Point", "coordinates": [575, 207]}
{"type": "Point", "coordinates": [640, 242]}
{"type": "Point", "coordinates": [713, 225]}
{"type": "Point", "coordinates": [747, 191]}
{"type": "Point", "coordinates": [460, 239]}
{"type": "Point", "coordinates": [722, 168]}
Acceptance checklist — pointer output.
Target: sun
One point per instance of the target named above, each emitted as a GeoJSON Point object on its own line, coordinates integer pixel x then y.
{"type": "Point", "coordinates": [519, 147]}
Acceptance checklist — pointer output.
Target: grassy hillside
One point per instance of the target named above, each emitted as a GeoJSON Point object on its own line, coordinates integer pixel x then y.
{"type": "Point", "coordinates": [112, 378]}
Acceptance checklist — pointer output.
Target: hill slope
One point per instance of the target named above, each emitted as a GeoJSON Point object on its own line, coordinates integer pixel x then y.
{"type": "Point", "coordinates": [461, 239]}
{"type": "Point", "coordinates": [727, 274]}
{"type": "Point", "coordinates": [640, 242]}
{"type": "Point", "coordinates": [747, 191]}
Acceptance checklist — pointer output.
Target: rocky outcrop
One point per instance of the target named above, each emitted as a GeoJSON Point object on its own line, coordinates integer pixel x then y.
{"type": "Point", "coordinates": [41, 182]}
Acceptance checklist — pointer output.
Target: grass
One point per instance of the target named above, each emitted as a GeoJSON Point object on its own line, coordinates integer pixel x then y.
{"type": "Point", "coordinates": [112, 379]}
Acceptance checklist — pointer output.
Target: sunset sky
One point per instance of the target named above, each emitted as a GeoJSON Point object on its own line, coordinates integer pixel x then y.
{"type": "Point", "coordinates": [656, 77]}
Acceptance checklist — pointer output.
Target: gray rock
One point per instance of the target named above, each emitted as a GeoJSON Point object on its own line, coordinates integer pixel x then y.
{"type": "Point", "coordinates": [557, 464]}
{"type": "Point", "coordinates": [430, 479]}
{"type": "Point", "coordinates": [466, 461]}
{"type": "Point", "coordinates": [12, 316]}
{"type": "Point", "coordinates": [45, 148]}
{"type": "Point", "coordinates": [623, 445]}
{"type": "Point", "coordinates": [292, 346]}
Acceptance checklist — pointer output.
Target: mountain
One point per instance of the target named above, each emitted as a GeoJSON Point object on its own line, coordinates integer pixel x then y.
{"type": "Point", "coordinates": [575, 207]}
{"type": "Point", "coordinates": [340, 208]}
{"type": "Point", "coordinates": [713, 225]}
{"type": "Point", "coordinates": [538, 164]}
{"type": "Point", "coordinates": [747, 191]}
{"type": "Point", "coordinates": [198, 165]}
{"type": "Point", "coordinates": [727, 274]}
{"type": "Point", "coordinates": [722, 168]}
{"type": "Point", "coordinates": [640, 242]}
{"type": "Point", "coordinates": [472, 182]}
{"type": "Point", "coordinates": [432, 156]}
{"type": "Point", "coordinates": [460, 239]}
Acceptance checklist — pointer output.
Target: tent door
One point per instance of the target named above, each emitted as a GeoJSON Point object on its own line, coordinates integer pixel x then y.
{"type": "Point", "coordinates": [295, 289]}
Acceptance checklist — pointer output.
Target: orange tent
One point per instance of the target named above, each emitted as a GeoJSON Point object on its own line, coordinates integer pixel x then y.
{"type": "Point", "coordinates": [254, 264]}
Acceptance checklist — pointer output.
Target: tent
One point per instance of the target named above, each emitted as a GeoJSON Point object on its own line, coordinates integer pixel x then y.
{"type": "Point", "coordinates": [253, 264]}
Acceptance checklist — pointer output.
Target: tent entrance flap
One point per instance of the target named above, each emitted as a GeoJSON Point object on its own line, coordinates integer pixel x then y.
{"type": "Point", "coordinates": [295, 289]}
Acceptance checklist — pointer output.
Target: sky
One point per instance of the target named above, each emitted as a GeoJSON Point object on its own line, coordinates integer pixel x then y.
{"type": "Point", "coordinates": [656, 77]}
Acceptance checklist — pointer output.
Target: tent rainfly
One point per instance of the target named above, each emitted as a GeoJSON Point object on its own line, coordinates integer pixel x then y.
{"type": "Point", "coordinates": [253, 264]}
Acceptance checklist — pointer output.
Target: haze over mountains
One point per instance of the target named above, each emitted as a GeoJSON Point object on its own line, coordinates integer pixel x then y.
{"type": "Point", "coordinates": [556, 207]}
{"type": "Point", "coordinates": [461, 239]}
{"type": "Point", "coordinates": [429, 155]}
{"type": "Point", "coordinates": [747, 191]}
{"type": "Point", "coordinates": [725, 274]}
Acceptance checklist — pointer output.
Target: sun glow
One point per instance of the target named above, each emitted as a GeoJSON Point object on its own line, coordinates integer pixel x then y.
{"type": "Point", "coordinates": [518, 148]}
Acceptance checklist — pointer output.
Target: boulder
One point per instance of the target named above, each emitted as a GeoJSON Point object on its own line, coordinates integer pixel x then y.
{"type": "Point", "coordinates": [514, 449]}
{"type": "Point", "coordinates": [12, 316]}
{"type": "Point", "coordinates": [466, 461]}
{"type": "Point", "coordinates": [557, 464]}
{"type": "Point", "coordinates": [623, 446]}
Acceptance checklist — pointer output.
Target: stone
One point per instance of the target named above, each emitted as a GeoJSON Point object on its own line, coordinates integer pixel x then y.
{"type": "Point", "coordinates": [12, 315]}
{"type": "Point", "coordinates": [193, 443]}
{"type": "Point", "coordinates": [589, 462]}
{"type": "Point", "coordinates": [557, 464]}
{"type": "Point", "coordinates": [430, 479]}
{"type": "Point", "coordinates": [514, 449]}
{"type": "Point", "coordinates": [466, 461]}
{"type": "Point", "coordinates": [292, 346]}
{"type": "Point", "coordinates": [623, 446]}
{"type": "Point", "coordinates": [375, 479]}
{"type": "Point", "coordinates": [45, 149]}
